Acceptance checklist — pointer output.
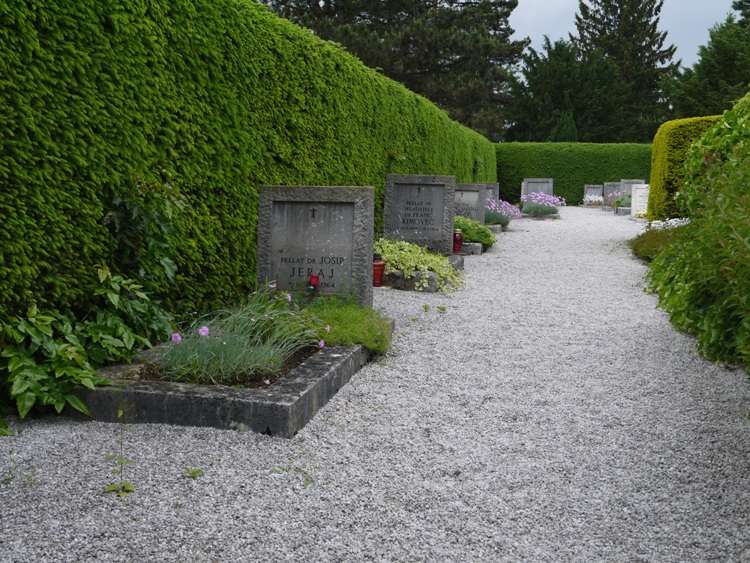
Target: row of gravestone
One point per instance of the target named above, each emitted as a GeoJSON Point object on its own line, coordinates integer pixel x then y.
{"type": "Point", "coordinates": [638, 191]}
{"type": "Point", "coordinates": [327, 231]}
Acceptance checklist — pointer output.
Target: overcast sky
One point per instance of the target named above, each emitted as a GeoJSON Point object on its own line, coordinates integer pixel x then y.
{"type": "Point", "coordinates": [686, 22]}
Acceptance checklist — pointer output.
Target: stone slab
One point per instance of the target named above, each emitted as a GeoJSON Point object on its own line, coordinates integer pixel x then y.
{"type": "Point", "coordinates": [639, 198]}
{"type": "Point", "coordinates": [471, 249]}
{"type": "Point", "coordinates": [593, 190]}
{"type": "Point", "coordinates": [327, 231]}
{"type": "Point", "coordinates": [420, 209]}
{"type": "Point", "coordinates": [537, 185]}
{"type": "Point", "coordinates": [469, 201]}
{"type": "Point", "coordinates": [281, 410]}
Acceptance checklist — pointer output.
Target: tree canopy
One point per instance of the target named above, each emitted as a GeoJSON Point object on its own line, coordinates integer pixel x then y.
{"type": "Point", "coordinates": [458, 54]}
{"type": "Point", "coordinates": [627, 33]}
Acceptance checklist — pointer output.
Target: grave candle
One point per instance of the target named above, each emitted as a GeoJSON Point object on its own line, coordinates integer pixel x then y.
{"type": "Point", "coordinates": [458, 241]}
{"type": "Point", "coordinates": [378, 267]}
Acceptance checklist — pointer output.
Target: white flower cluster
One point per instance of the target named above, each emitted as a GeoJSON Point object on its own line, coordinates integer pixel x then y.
{"type": "Point", "coordinates": [593, 200]}
{"type": "Point", "coordinates": [668, 224]}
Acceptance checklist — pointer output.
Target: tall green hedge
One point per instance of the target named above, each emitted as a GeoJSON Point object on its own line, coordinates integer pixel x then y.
{"type": "Point", "coordinates": [570, 165]}
{"type": "Point", "coordinates": [703, 277]}
{"type": "Point", "coordinates": [216, 97]}
{"type": "Point", "coordinates": [671, 143]}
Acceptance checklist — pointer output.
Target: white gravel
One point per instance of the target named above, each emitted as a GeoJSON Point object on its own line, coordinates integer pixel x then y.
{"type": "Point", "coordinates": [549, 413]}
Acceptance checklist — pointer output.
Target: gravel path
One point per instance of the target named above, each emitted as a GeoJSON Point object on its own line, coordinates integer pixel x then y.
{"type": "Point", "coordinates": [548, 413]}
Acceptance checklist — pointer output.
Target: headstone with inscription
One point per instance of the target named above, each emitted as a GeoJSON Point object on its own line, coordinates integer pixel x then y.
{"type": "Point", "coordinates": [593, 190]}
{"type": "Point", "coordinates": [639, 196]}
{"type": "Point", "coordinates": [469, 201]}
{"type": "Point", "coordinates": [420, 209]}
{"type": "Point", "coordinates": [325, 231]}
{"type": "Point", "coordinates": [536, 185]}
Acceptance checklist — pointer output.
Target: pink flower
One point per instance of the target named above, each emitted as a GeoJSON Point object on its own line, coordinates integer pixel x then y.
{"type": "Point", "coordinates": [176, 337]}
{"type": "Point", "coordinates": [288, 298]}
{"type": "Point", "coordinates": [203, 331]}
{"type": "Point", "coordinates": [321, 344]}
{"type": "Point", "coordinates": [328, 328]}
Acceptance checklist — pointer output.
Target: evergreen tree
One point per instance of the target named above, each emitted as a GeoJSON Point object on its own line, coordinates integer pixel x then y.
{"type": "Point", "coordinates": [563, 94]}
{"type": "Point", "coordinates": [743, 7]}
{"type": "Point", "coordinates": [721, 75]}
{"type": "Point", "coordinates": [627, 32]}
{"type": "Point", "coordinates": [458, 54]}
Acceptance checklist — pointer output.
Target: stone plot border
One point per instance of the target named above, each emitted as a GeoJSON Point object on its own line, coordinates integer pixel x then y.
{"type": "Point", "coordinates": [280, 410]}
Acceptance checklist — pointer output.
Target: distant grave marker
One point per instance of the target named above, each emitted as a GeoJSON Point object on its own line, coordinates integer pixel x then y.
{"type": "Point", "coordinates": [593, 190]}
{"type": "Point", "coordinates": [469, 201]}
{"type": "Point", "coordinates": [626, 186]}
{"type": "Point", "coordinates": [639, 197]}
{"type": "Point", "coordinates": [420, 209]}
{"type": "Point", "coordinates": [326, 231]}
{"type": "Point", "coordinates": [611, 191]}
{"type": "Point", "coordinates": [537, 185]}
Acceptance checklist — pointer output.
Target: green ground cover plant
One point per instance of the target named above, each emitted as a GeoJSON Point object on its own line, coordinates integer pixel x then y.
{"type": "Point", "coordinates": [540, 205]}
{"type": "Point", "coordinates": [347, 323]}
{"type": "Point", "coordinates": [474, 231]}
{"type": "Point", "coordinates": [499, 212]}
{"type": "Point", "coordinates": [703, 277]}
{"type": "Point", "coordinates": [410, 259]}
{"type": "Point", "coordinates": [652, 242]}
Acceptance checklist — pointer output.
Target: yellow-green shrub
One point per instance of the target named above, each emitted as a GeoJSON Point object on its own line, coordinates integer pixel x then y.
{"type": "Point", "coordinates": [671, 143]}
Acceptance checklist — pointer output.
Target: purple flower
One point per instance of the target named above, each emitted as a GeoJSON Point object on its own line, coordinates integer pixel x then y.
{"type": "Point", "coordinates": [321, 344]}
{"type": "Point", "coordinates": [203, 331]}
{"type": "Point", "coordinates": [328, 328]}
{"type": "Point", "coordinates": [176, 337]}
{"type": "Point", "coordinates": [288, 298]}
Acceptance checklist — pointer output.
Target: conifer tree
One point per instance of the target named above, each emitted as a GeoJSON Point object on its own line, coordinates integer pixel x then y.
{"type": "Point", "coordinates": [627, 32]}
{"type": "Point", "coordinates": [458, 54]}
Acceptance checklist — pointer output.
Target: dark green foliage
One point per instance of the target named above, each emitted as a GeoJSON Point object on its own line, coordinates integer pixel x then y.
{"type": "Point", "coordinates": [213, 97]}
{"type": "Point", "coordinates": [473, 231]}
{"type": "Point", "coordinates": [671, 143]}
{"type": "Point", "coordinates": [652, 242]}
{"type": "Point", "coordinates": [703, 278]}
{"type": "Point", "coordinates": [721, 75]}
{"type": "Point", "coordinates": [459, 55]}
{"type": "Point", "coordinates": [570, 165]}
{"type": "Point", "coordinates": [626, 32]}
{"type": "Point", "coordinates": [567, 95]}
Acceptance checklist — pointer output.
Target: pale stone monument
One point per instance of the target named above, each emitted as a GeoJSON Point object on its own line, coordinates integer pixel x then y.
{"type": "Point", "coordinates": [639, 196]}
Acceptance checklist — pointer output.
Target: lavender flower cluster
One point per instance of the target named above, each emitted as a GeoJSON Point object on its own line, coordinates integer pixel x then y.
{"type": "Point", "coordinates": [543, 199]}
{"type": "Point", "coordinates": [502, 208]}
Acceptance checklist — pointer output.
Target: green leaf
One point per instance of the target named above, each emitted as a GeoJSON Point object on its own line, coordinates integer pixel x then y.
{"type": "Point", "coordinates": [77, 404]}
{"type": "Point", "coordinates": [24, 403]}
{"type": "Point", "coordinates": [19, 386]}
{"type": "Point", "coordinates": [170, 268]}
{"type": "Point", "coordinates": [114, 298]}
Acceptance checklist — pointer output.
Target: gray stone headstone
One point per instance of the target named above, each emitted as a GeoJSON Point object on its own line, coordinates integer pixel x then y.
{"type": "Point", "coordinates": [469, 201]}
{"type": "Point", "coordinates": [420, 209]}
{"type": "Point", "coordinates": [325, 231]}
{"type": "Point", "coordinates": [537, 185]}
{"type": "Point", "coordinates": [492, 189]}
{"type": "Point", "coordinates": [593, 190]}
{"type": "Point", "coordinates": [610, 189]}
{"type": "Point", "coordinates": [639, 195]}
{"type": "Point", "coordinates": [627, 185]}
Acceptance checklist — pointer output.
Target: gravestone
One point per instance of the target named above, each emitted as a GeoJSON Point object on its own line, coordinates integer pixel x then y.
{"type": "Point", "coordinates": [626, 186]}
{"type": "Point", "coordinates": [420, 209]}
{"type": "Point", "coordinates": [326, 231]}
{"type": "Point", "coordinates": [639, 197]}
{"type": "Point", "coordinates": [492, 189]}
{"type": "Point", "coordinates": [536, 185]}
{"type": "Point", "coordinates": [611, 192]}
{"type": "Point", "coordinates": [469, 201]}
{"type": "Point", "coordinates": [593, 190]}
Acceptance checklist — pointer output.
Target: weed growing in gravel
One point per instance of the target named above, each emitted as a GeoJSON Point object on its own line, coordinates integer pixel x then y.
{"type": "Point", "coordinates": [193, 473]}
{"type": "Point", "coordinates": [122, 487]}
{"type": "Point", "coordinates": [307, 479]}
{"type": "Point", "coordinates": [426, 307]}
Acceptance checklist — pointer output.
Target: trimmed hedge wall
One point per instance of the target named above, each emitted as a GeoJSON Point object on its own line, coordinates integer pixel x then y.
{"type": "Point", "coordinates": [671, 143]}
{"type": "Point", "coordinates": [216, 97]}
{"type": "Point", "coordinates": [570, 165]}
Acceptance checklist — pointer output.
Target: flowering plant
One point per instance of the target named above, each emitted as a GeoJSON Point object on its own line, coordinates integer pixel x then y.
{"type": "Point", "coordinates": [499, 212]}
{"type": "Point", "coordinates": [593, 200]}
{"type": "Point", "coordinates": [539, 204]}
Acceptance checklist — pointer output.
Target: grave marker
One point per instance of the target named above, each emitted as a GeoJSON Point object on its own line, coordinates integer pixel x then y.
{"type": "Point", "coordinates": [593, 190]}
{"type": "Point", "coordinates": [626, 186]}
{"type": "Point", "coordinates": [639, 197]}
{"type": "Point", "coordinates": [420, 209]}
{"type": "Point", "coordinates": [610, 189]}
{"type": "Point", "coordinates": [326, 231]}
{"type": "Point", "coordinates": [469, 201]}
{"type": "Point", "coordinates": [537, 185]}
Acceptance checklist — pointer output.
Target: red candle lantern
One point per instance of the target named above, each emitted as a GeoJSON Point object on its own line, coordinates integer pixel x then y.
{"type": "Point", "coordinates": [378, 268]}
{"type": "Point", "coordinates": [458, 241]}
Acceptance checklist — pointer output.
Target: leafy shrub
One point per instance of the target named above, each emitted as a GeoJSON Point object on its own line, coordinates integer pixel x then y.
{"type": "Point", "coordinates": [652, 242]}
{"type": "Point", "coordinates": [572, 165]}
{"type": "Point", "coordinates": [411, 258]}
{"type": "Point", "coordinates": [474, 231]}
{"type": "Point", "coordinates": [703, 277]}
{"type": "Point", "coordinates": [671, 143]}
{"type": "Point", "coordinates": [540, 204]}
